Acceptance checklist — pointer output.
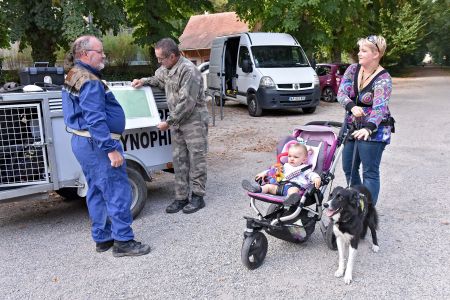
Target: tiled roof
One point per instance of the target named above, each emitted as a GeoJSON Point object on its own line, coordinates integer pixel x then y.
{"type": "Point", "coordinates": [202, 29]}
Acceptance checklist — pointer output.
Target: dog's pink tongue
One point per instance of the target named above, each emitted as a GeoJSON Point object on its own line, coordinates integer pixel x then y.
{"type": "Point", "coordinates": [330, 212]}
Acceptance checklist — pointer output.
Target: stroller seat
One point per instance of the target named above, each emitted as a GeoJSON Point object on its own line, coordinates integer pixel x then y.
{"type": "Point", "coordinates": [316, 158]}
{"type": "Point", "coordinates": [268, 197]}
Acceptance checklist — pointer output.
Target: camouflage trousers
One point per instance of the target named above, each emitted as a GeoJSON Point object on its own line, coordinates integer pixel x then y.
{"type": "Point", "coordinates": [190, 147]}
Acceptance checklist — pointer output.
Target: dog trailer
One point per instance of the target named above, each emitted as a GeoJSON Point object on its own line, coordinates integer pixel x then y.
{"type": "Point", "coordinates": [36, 156]}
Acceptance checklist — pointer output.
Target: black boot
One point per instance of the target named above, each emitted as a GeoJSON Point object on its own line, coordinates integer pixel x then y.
{"type": "Point", "coordinates": [196, 203]}
{"type": "Point", "coordinates": [104, 246]}
{"type": "Point", "coordinates": [176, 206]}
{"type": "Point", "coordinates": [130, 248]}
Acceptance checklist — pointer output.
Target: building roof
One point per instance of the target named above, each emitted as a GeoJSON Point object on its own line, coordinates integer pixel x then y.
{"type": "Point", "coordinates": [202, 29]}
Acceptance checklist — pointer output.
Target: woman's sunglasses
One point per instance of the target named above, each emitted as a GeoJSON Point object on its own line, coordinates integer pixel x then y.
{"type": "Point", "coordinates": [373, 40]}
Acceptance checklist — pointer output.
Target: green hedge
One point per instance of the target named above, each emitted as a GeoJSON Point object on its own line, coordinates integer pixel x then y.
{"type": "Point", "coordinates": [116, 73]}
{"type": "Point", "coordinates": [9, 76]}
{"type": "Point", "coordinates": [110, 73]}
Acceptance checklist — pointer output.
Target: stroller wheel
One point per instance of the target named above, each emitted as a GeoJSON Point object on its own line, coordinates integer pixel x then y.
{"type": "Point", "coordinates": [330, 238]}
{"type": "Point", "coordinates": [254, 250]}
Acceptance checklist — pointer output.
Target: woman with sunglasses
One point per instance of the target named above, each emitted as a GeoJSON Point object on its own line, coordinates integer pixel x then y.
{"type": "Point", "coordinates": [364, 93]}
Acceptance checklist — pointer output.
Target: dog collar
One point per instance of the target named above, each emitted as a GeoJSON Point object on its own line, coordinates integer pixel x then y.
{"type": "Point", "coordinates": [361, 202]}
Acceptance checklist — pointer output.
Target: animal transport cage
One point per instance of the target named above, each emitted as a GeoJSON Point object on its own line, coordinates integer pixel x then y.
{"type": "Point", "coordinates": [23, 158]}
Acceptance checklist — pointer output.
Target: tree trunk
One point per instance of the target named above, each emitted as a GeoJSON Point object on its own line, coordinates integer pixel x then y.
{"type": "Point", "coordinates": [43, 45]}
{"type": "Point", "coordinates": [335, 54]}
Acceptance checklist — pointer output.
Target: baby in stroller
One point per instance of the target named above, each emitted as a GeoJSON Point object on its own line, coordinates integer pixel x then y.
{"type": "Point", "coordinates": [286, 217]}
{"type": "Point", "coordinates": [295, 175]}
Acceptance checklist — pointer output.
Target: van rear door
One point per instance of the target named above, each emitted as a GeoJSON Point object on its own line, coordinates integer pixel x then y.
{"type": "Point", "coordinates": [216, 75]}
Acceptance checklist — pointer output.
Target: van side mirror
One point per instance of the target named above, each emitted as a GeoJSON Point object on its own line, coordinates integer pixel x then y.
{"type": "Point", "coordinates": [247, 66]}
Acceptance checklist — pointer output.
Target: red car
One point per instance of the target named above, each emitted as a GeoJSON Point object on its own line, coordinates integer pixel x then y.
{"type": "Point", "coordinates": [330, 78]}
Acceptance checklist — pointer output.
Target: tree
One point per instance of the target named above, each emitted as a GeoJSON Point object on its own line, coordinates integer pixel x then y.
{"type": "Point", "coordinates": [438, 38]}
{"type": "Point", "coordinates": [154, 20]}
{"type": "Point", "coordinates": [318, 25]}
{"type": "Point", "coordinates": [403, 26]}
{"type": "Point", "coordinates": [4, 42]}
{"type": "Point", "coordinates": [219, 5]}
{"type": "Point", "coordinates": [331, 27]}
{"type": "Point", "coordinates": [46, 25]}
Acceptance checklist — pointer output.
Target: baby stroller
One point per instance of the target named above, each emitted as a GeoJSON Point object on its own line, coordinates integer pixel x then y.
{"type": "Point", "coordinates": [295, 222]}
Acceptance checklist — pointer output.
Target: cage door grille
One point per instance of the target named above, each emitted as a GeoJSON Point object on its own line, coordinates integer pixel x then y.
{"type": "Point", "coordinates": [23, 158]}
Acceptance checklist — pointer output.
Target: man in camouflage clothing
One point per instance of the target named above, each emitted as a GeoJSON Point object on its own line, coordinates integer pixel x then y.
{"type": "Point", "coordinates": [188, 120]}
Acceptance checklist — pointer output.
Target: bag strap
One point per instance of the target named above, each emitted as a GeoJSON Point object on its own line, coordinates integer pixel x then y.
{"type": "Point", "coordinates": [298, 172]}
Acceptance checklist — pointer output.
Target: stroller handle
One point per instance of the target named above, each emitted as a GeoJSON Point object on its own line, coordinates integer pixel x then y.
{"type": "Point", "coordinates": [326, 123]}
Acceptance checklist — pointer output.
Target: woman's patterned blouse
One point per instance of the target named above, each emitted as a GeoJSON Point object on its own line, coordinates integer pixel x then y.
{"type": "Point", "coordinates": [374, 99]}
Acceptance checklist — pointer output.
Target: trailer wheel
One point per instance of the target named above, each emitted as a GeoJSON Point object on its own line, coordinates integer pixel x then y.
{"type": "Point", "coordinates": [138, 191]}
{"type": "Point", "coordinates": [69, 193]}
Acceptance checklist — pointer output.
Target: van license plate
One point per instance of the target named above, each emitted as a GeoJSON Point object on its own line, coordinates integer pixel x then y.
{"type": "Point", "coordinates": [297, 98]}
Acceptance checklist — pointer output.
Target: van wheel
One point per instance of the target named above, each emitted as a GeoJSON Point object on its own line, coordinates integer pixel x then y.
{"type": "Point", "coordinates": [328, 95]}
{"type": "Point", "coordinates": [254, 109]}
{"type": "Point", "coordinates": [138, 191]}
{"type": "Point", "coordinates": [309, 110]}
{"type": "Point", "coordinates": [217, 100]}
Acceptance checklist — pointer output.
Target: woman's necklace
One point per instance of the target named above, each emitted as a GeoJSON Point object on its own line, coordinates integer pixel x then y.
{"type": "Point", "coordinates": [363, 81]}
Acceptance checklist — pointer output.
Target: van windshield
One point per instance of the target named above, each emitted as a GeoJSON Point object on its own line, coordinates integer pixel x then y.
{"type": "Point", "coordinates": [279, 57]}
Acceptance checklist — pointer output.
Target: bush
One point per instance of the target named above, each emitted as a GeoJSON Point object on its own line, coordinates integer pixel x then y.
{"type": "Point", "coordinates": [14, 59]}
{"type": "Point", "coordinates": [9, 76]}
{"type": "Point", "coordinates": [120, 50]}
{"type": "Point", "coordinates": [128, 73]}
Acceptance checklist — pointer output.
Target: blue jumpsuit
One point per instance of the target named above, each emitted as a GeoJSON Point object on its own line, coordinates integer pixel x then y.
{"type": "Point", "coordinates": [89, 105]}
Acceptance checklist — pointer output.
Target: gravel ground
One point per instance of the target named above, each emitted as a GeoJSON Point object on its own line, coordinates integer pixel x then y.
{"type": "Point", "coordinates": [46, 251]}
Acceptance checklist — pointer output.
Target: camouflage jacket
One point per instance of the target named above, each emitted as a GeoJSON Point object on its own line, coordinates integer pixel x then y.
{"type": "Point", "coordinates": [183, 85]}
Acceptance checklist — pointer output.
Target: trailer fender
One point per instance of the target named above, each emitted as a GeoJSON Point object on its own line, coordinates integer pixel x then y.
{"type": "Point", "coordinates": [137, 164]}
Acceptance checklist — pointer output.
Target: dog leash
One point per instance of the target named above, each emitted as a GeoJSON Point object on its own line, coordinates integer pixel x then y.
{"type": "Point", "coordinates": [355, 146]}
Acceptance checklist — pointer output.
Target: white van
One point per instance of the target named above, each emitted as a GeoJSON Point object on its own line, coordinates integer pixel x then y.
{"type": "Point", "coordinates": [264, 71]}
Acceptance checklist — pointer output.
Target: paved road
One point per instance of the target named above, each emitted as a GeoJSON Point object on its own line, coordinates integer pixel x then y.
{"type": "Point", "coordinates": [46, 251]}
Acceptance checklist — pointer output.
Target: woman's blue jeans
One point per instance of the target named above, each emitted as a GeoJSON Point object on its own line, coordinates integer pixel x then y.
{"type": "Point", "coordinates": [369, 155]}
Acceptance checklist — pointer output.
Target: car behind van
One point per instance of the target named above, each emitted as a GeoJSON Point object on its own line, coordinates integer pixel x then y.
{"type": "Point", "coordinates": [264, 71]}
{"type": "Point", "coordinates": [330, 76]}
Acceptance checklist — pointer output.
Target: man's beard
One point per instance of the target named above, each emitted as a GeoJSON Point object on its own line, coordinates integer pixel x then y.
{"type": "Point", "coordinates": [101, 66]}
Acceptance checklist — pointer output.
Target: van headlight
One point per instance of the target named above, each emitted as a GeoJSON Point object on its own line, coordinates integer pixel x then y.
{"type": "Point", "coordinates": [266, 82]}
{"type": "Point", "coordinates": [316, 80]}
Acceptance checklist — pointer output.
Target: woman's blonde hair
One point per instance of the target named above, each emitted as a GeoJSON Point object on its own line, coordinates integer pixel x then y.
{"type": "Point", "coordinates": [375, 42]}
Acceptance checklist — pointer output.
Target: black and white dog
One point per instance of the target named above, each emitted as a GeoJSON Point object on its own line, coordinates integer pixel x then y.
{"type": "Point", "coordinates": [352, 212]}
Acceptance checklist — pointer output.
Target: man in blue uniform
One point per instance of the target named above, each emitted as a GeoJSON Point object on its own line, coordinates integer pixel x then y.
{"type": "Point", "coordinates": [97, 120]}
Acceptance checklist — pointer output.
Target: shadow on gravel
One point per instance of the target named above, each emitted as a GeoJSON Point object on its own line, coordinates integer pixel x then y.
{"type": "Point", "coordinates": [41, 211]}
